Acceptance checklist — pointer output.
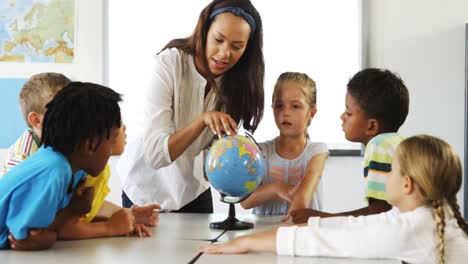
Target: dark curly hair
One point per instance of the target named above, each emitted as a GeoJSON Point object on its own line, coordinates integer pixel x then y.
{"type": "Point", "coordinates": [382, 95]}
{"type": "Point", "coordinates": [79, 112]}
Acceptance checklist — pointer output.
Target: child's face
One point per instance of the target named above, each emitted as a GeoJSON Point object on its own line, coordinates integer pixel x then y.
{"type": "Point", "coordinates": [120, 141]}
{"type": "Point", "coordinates": [355, 122]}
{"type": "Point", "coordinates": [226, 42]}
{"type": "Point", "coordinates": [99, 158]}
{"type": "Point", "coordinates": [395, 185]}
{"type": "Point", "coordinates": [36, 119]}
{"type": "Point", "coordinates": [290, 108]}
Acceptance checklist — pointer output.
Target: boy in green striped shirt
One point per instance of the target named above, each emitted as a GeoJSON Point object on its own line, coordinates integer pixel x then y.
{"type": "Point", "coordinates": [377, 103]}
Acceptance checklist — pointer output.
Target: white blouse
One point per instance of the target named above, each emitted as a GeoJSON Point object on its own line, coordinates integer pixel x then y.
{"type": "Point", "coordinates": [409, 236]}
{"type": "Point", "coordinates": [176, 97]}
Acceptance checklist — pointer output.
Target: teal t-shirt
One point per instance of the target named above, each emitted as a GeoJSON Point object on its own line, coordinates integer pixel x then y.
{"type": "Point", "coordinates": [33, 192]}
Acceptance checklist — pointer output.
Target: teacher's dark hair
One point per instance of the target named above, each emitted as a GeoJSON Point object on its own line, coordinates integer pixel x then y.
{"type": "Point", "coordinates": [241, 88]}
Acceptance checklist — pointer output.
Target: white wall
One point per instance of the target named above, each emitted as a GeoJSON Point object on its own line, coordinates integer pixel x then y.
{"type": "Point", "coordinates": [89, 46]}
{"type": "Point", "coordinates": [424, 41]}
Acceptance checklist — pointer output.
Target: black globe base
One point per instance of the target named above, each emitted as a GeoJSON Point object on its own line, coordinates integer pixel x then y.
{"type": "Point", "coordinates": [231, 223]}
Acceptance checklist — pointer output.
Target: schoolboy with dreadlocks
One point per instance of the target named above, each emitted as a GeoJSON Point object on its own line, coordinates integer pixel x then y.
{"type": "Point", "coordinates": [79, 128]}
{"type": "Point", "coordinates": [104, 217]}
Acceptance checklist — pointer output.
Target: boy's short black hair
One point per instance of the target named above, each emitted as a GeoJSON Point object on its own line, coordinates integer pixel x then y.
{"type": "Point", "coordinates": [80, 111]}
{"type": "Point", "coordinates": [381, 95]}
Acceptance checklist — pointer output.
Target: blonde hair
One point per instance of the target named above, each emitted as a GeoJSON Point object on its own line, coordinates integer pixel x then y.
{"type": "Point", "coordinates": [38, 91]}
{"type": "Point", "coordinates": [310, 90]}
{"type": "Point", "coordinates": [436, 169]}
{"type": "Point", "coordinates": [308, 85]}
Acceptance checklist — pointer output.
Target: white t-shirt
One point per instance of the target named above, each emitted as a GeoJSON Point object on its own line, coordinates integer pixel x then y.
{"type": "Point", "coordinates": [289, 171]}
{"type": "Point", "coordinates": [409, 236]}
{"type": "Point", "coordinates": [176, 97]}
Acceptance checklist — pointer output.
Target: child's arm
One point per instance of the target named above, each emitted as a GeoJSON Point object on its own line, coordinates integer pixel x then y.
{"type": "Point", "coordinates": [259, 242]}
{"type": "Point", "coordinates": [106, 211]}
{"type": "Point", "coordinates": [377, 236]}
{"type": "Point", "coordinates": [120, 223]}
{"type": "Point", "coordinates": [304, 191]}
{"type": "Point", "coordinates": [266, 192]}
{"type": "Point", "coordinates": [80, 204]}
{"type": "Point", "coordinates": [375, 207]}
{"type": "Point", "coordinates": [33, 227]}
{"type": "Point", "coordinates": [146, 215]}
{"type": "Point", "coordinates": [37, 239]}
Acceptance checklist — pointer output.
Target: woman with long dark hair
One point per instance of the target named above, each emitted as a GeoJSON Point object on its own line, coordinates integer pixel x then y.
{"type": "Point", "coordinates": [201, 86]}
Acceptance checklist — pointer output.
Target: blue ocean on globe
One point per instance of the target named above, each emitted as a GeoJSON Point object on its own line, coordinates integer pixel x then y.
{"type": "Point", "coordinates": [234, 166]}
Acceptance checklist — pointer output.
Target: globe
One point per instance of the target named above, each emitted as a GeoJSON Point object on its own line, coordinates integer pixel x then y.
{"type": "Point", "coordinates": [234, 166]}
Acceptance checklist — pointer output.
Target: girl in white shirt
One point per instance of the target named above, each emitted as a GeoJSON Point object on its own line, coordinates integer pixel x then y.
{"type": "Point", "coordinates": [293, 164]}
{"type": "Point", "coordinates": [425, 225]}
{"type": "Point", "coordinates": [201, 86]}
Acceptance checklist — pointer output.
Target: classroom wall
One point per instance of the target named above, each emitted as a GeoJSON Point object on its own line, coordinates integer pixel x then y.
{"type": "Point", "coordinates": [424, 41]}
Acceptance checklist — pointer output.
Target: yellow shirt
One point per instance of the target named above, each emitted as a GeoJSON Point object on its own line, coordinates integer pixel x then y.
{"type": "Point", "coordinates": [101, 189]}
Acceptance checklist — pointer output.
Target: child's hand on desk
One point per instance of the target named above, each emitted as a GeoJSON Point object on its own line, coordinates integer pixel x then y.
{"type": "Point", "coordinates": [38, 239]}
{"type": "Point", "coordinates": [121, 222]}
{"type": "Point", "coordinates": [147, 215]}
{"type": "Point", "coordinates": [82, 200]}
{"type": "Point", "coordinates": [141, 230]}
{"type": "Point", "coordinates": [301, 216]}
{"type": "Point", "coordinates": [236, 246]}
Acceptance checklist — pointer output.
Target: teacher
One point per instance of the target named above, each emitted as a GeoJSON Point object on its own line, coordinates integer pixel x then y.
{"type": "Point", "coordinates": [201, 86]}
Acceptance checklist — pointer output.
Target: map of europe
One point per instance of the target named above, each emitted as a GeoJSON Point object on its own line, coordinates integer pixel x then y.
{"type": "Point", "coordinates": [37, 31]}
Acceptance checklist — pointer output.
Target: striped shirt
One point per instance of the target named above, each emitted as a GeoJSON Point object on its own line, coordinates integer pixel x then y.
{"type": "Point", "coordinates": [288, 171]}
{"type": "Point", "coordinates": [378, 158]}
{"type": "Point", "coordinates": [24, 147]}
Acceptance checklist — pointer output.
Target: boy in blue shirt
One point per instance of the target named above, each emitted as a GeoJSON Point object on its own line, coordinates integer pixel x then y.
{"type": "Point", "coordinates": [79, 128]}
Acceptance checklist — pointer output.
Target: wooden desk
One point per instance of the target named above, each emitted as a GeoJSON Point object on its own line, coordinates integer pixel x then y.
{"type": "Point", "coordinates": [175, 240]}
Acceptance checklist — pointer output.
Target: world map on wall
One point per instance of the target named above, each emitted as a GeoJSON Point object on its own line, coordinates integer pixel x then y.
{"type": "Point", "coordinates": [37, 31]}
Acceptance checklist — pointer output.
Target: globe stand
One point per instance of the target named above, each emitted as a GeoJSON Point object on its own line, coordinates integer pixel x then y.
{"type": "Point", "coordinates": [231, 222]}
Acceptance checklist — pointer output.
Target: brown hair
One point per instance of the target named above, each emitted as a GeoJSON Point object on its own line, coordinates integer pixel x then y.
{"type": "Point", "coordinates": [436, 169]}
{"type": "Point", "coordinates": [241, 89]}
{"type": "Point", "coordinates": [38, 91]}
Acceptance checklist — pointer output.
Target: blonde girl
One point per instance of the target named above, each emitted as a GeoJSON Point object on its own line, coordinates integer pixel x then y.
{"type": "Point", "coordinates": [424, 226]}
{"type": "Point", "coordinates": [294, 164]}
